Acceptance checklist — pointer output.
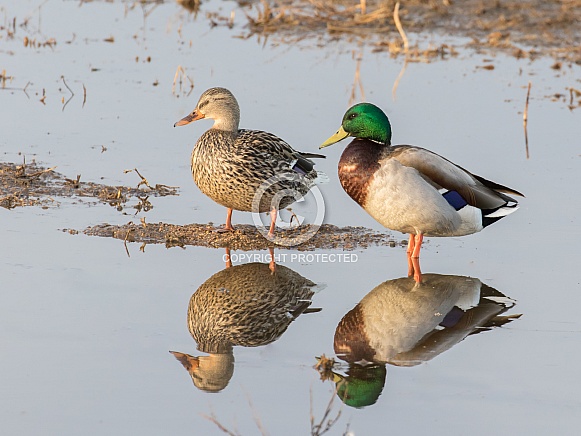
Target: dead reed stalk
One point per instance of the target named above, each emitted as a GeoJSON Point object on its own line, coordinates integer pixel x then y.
{"type": "Point", "coordinates": [526, 119]}
{"type": "Point", "coordinates": [399, 27]}
{"type": "Point", "coordinates": [181, 75]}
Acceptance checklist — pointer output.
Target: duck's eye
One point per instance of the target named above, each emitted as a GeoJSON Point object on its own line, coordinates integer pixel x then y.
{"type": "Point", "coordinates": [352, 116]}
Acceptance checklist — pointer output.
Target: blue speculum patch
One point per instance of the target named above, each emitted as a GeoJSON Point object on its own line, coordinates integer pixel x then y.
{"type": "Point", "coordinates": [455, 200]}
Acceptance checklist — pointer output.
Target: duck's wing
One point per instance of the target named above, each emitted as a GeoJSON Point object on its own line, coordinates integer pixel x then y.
{"type": "Point", "coordinates": [271, 148]}
{"type": "Point", "coordinates": [443, 174]}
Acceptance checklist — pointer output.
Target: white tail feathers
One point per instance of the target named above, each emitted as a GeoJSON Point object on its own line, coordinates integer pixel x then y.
{"type": "Point", "coordinates": [502, 211]}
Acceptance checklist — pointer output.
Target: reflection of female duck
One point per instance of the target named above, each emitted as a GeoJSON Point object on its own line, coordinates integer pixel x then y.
{"type": "Point", "coordinates": [404, 323]}
{"type": "Point", "coordinates": [247, 305]}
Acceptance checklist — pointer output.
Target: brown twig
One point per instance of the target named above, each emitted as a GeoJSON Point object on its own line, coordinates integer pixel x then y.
{"type": "Point", "coordinates": [400, 28]}
{"type": "Point", "coordinates": [125, 242]}
{"type": "Point", "coordinates": [178, 75]}
{"type": "Point", "coordinates": [143, 179]}
{"type": "Point", "coordinates": [326, 422]}
{"type": "Point", "coordinates": [3, 78]}
{"type": "Point", "coordinates": [70, 90]}
{"type": "Point", "coordinates": [255, 416]}
{"type": "Point", "coordinates": [357, 83]}
{"type": "Point", "coordinates": [212, 418]}
{"type": "Point", "coordinates": [526, 119]}
{"type": "Point", "coordinates": [175, 79]}
{"type": "Point", "coordinates": [398, 78]}
{"type": "Point", "coordinates": [363, 5]}
{"type": "Point", "coordinates": [38, 173]}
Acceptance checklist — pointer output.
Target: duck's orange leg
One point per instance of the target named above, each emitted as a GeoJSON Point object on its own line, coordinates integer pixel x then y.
{"type": "Point", "coordinates": [418, 245]}
{"type": "Point", "coordinates": [272, 264]}
{"type": "Point", "coordinates": [409, 252]}
{"type": "Point", "coordinates": [273, 215]}
{"type": "Point", "coordinates": [228, 226]}
{"type": "Point", "coordinates": [417, 273]}
{"type": "Point", "coordinates": [228, 258]}
{"type": "Point", "coordinates": [411, 244]}
{"type": "Point", "coordinates": [413, 254]}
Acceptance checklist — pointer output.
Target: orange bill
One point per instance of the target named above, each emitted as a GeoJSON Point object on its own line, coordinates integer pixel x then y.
{"type": "Point", "coordinates": [195, 115]}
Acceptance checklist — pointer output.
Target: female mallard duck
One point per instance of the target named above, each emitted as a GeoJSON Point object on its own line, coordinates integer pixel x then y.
{"type": "Point", "coordinates": [229, 165]}
{"type": "Point", "coordinates": [411, 189]}
{"type": "Point", "coordinates": [246, 305]}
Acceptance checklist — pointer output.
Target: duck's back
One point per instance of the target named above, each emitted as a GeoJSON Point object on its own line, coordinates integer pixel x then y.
{"type": "Point", "coordinates": [229, 167]}
{"type": "Point", "coordinates": [248, 304]}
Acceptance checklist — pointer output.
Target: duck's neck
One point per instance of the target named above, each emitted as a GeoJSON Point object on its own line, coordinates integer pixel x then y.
{"type": "Point", "coordinates": [227, 121]}
{"type": "Point", "coordinates": [380, 135]}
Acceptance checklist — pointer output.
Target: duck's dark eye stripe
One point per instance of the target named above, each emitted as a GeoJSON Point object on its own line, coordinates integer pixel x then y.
{"type": "Point", "coordinates": [204, 103]}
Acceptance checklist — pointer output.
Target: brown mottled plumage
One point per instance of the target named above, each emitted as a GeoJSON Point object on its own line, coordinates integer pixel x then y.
{"type": "Point", "coordinates": [230, 164]}
{"type": "Point", "coordinates": [247, 305]}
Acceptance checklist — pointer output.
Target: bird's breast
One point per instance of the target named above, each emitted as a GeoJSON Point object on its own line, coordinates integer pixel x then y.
{"type": "Point", "coordinates": [357, 165]}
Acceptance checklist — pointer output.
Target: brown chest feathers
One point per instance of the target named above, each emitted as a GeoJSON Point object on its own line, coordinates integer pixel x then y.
{"type": "Point", "coordinates": [358, 164]}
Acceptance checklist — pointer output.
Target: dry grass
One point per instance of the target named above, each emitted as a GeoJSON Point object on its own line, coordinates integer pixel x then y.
{"type": "Point", "coordinates": [178, 84]}
{"type": "Point", "coordinates": [550, 26]}
{"type": "Point", "coordinates": [319, 428]}
{"type": "Point", "coordinates": [327, 421]}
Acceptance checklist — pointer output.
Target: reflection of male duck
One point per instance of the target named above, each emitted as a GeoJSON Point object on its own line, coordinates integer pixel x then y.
{"type": "Point", "coordinates": [247, 305]}
{"type": "Point", "coordinates": [404, 323]}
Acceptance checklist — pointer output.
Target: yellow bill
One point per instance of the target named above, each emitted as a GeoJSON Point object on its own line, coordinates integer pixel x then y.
{"type": "Point", "coordinates": [341, 134]}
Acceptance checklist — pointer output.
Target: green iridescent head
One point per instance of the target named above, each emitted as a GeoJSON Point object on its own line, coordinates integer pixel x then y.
{"type": "Point", "coordinates": [364, 121]}
{"type": "Point", "coordinates": [362, 386]}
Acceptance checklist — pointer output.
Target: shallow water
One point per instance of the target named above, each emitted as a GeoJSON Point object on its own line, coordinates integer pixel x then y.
{"type": "Point", "coordinates": [86, 329]}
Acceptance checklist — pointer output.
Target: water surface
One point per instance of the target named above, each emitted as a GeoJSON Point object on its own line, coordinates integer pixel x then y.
{"type": "Point", "coordinates": [87, 329]}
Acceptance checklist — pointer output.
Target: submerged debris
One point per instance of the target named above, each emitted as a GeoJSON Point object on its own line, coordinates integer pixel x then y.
{"type": "Point", "coordinates": [325, 366]}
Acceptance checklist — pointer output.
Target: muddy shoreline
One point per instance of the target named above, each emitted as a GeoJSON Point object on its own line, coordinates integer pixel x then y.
{"type": "Point", "coordinates": [244, 238]}
{"type": "Point", "coordinates": [30, 184]}
{"type": "Point", "coordinates": [34, 185]}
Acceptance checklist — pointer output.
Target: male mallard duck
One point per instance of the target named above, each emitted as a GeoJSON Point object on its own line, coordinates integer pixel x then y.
{"type": "Point", "coordinates": [405, 323]}
{"type": "Point", "coordinates": [229, 164]}
{"type": "Point", "coordinates": [411, 189]}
